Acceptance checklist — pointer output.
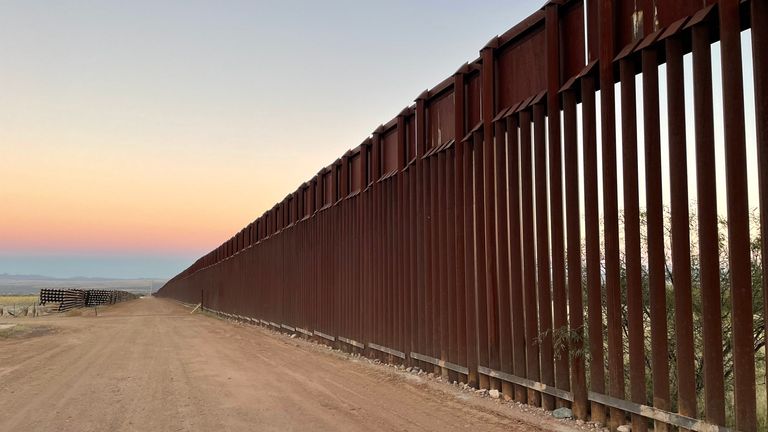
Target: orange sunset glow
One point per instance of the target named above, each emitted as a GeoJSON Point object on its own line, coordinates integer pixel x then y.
{"type": "Point", "coordinates": [82, 202]}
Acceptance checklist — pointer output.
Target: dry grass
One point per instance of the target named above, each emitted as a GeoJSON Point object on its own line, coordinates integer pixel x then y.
{"type": "Point", "coordinates": [20, 300]}
{"type": "Point", "coordinates": [23, 331]}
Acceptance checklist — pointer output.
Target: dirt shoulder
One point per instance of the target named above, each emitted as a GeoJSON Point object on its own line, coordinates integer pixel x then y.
{"type": "Point", "coordinates": [148, 365]}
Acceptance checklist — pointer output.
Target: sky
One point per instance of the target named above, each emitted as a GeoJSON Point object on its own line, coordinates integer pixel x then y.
{"type": "Point", "coordinates": [136, 136]}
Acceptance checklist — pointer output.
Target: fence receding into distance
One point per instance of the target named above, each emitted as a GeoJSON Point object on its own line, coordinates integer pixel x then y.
{"type": "Point", "coordinates": [502, 230]}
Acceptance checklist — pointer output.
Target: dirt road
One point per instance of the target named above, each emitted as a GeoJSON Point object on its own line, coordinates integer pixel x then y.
{"type": "Point", "coordinates": [148, 365]}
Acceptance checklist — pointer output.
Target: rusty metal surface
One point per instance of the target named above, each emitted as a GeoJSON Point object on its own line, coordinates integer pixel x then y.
{"type": "Point", "coordinates": [456, 236]}
{"type": "Point", "coordinates": [573, 228]}
{"type": "Point", "coordinates": [738, 215]}
{"type": "Point", "coordinates": [634, 283]}
{"type": "Point", "coordinates": [759, 13]}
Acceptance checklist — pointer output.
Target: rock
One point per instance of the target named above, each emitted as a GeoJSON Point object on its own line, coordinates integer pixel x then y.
{"type": "Point", "coordinates": [580, 422]}
{"type": "Point", "coordinates": [409, 369]}
{"type": "Point", "coordinates": [293, 335]}
{"type": "Point", "coordinates": [562, 413]}
{"type": "Point", "coordinates": [494, 394]}
{"type": "Point", "coordinates": [624, 428]}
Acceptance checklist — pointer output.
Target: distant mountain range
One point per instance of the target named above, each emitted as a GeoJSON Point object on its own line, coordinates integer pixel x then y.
{"type": "Point", "coordinates": [32, 284]}
{"type": "Point", "coordinates": [18, 277]}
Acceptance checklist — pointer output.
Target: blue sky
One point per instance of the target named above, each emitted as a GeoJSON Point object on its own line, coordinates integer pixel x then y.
{"type": "Point", "coordinates": [104, 266]}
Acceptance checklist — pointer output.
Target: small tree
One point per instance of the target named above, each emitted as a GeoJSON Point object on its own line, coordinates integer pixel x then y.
{"type": "Point", "coordinates": [564, 338]}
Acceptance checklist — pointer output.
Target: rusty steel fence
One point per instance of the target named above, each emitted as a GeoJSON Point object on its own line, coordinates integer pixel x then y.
{"type": "Point", "coordinates": [503, 232]}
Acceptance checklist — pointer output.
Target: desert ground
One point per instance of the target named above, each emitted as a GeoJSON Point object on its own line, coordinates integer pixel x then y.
{"type": "Point", "coordinates": [151, 365]}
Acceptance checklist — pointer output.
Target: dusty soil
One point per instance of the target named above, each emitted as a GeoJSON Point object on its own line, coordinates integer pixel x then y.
{"type": "Point", "coordinates": [22, 331]}
{"type": "Point", "coordinates": [149, 365]}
